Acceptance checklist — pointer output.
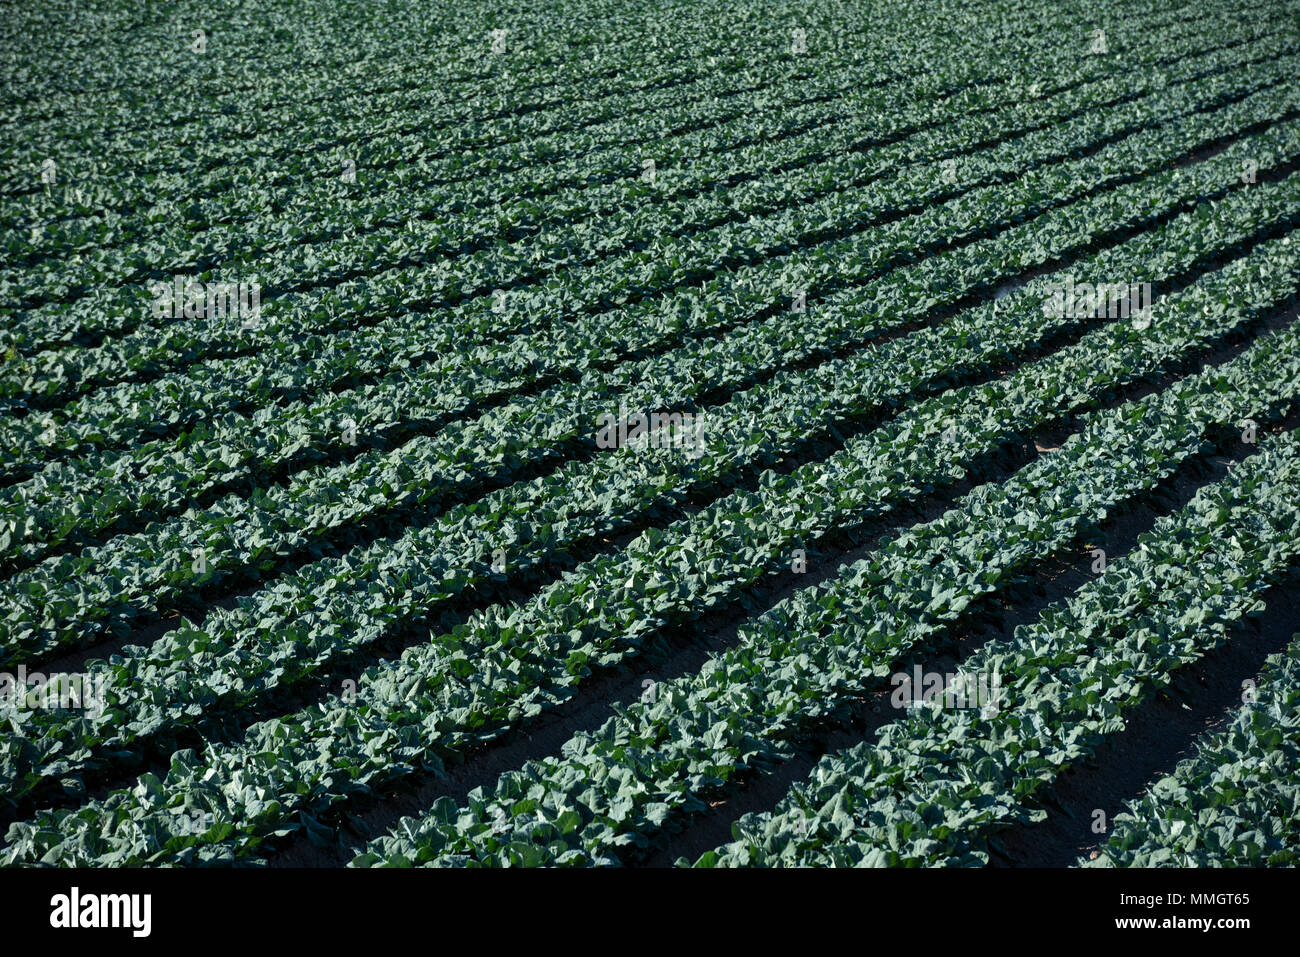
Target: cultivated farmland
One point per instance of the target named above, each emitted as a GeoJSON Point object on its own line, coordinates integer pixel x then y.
{"type": "Point", "coordinates": [590, 433]}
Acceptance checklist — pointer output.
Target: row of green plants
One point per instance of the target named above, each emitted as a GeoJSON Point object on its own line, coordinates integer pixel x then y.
{"type": "Point", "coordinates": [1236, 801]}
{"type": "Point", "coordinates": [934, 789]}
{"type": "Point", "coordinates": [363, 88]}
{"type": "Point", "coordinates": [291, 629]}
{"type": "Point", "coordinates": [539, 196]}
{"type": "Point", "coordinates": [392, 114]}
{"type": "Point", "coordinates": [58, 496]}
{"type": "Point", "coordinates": [244, 536]}
{"type": "Point", "coordinates": [650, 267]}
{"type": "Point", "coordinates": [507, 664]}
{"type": "Point", "coordinates": [506, 138]}
{"type": "Point", "coordinates": [613, 790]}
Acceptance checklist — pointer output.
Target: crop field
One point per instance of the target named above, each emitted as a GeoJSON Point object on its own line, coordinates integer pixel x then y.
{"type": "Point", "coordinates": [686, 434]}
